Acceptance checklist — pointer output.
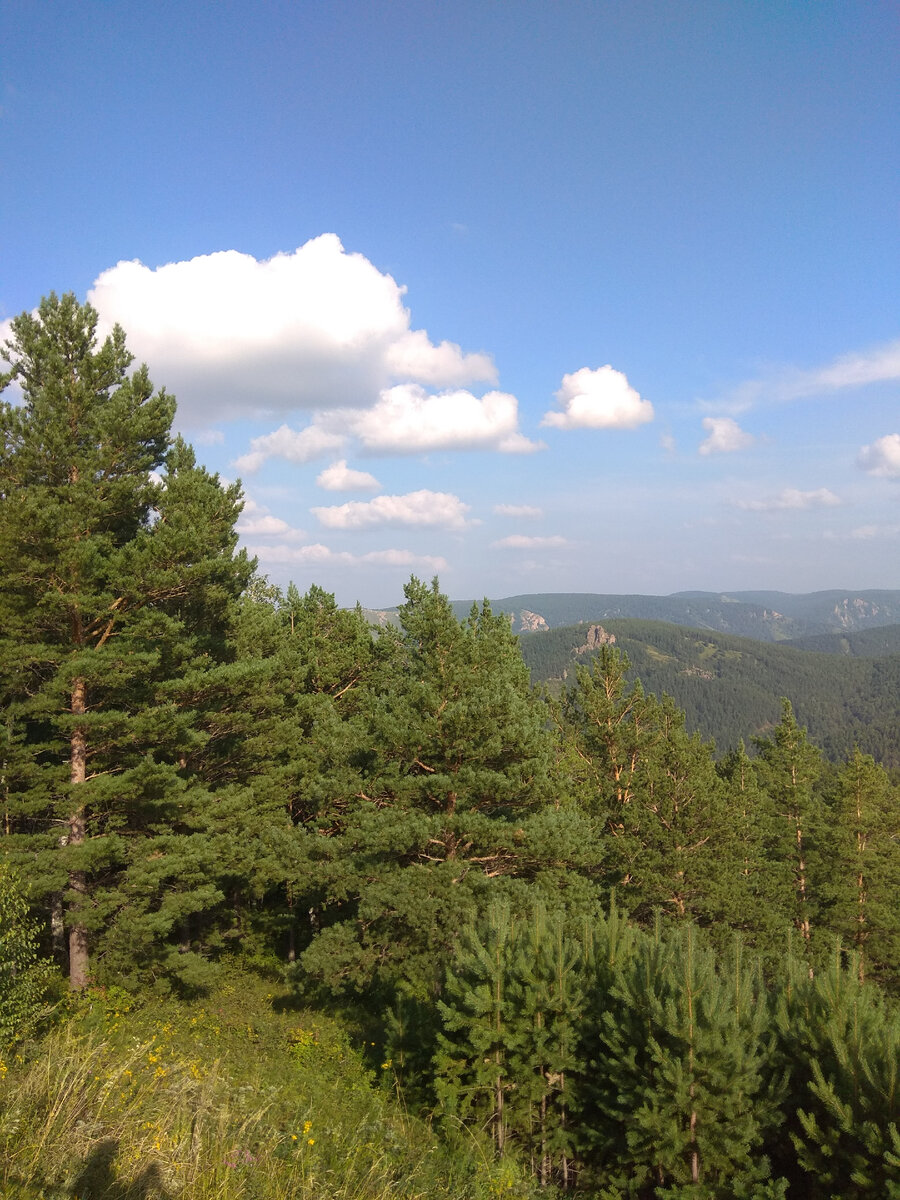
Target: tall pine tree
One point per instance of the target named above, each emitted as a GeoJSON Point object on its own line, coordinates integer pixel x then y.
{"type": "Point", "coordinates": [115, 605]}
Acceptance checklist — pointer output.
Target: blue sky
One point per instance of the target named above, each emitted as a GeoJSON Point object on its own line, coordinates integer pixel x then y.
{"type": "Point", "coordinates": [538, 297]}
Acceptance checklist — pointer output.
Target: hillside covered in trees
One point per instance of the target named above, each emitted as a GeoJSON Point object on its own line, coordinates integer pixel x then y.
{"type": "Point", "coordinates": [844, 688]}
{"type": "Point", "coordinates": [278, 855]}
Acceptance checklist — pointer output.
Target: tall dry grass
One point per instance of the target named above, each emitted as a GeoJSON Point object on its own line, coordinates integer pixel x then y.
{"type": "Point", "coordinates": [227, 1101]}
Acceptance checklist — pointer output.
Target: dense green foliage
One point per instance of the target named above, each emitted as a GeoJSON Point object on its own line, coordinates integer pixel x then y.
{"type": "Point", "coordinates": [596, 957]}
{"type": "Point", "coordinates": [25, 978]}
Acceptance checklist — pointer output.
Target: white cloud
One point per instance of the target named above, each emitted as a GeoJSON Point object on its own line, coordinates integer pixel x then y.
{"type": "Point", "coordinates": [207, 437]}
{"type": "Point", "coordinates": [407, 420]}
{"type": "Point", "coordinates": [601, 399]}
{"type": "Point", "coordinates": [317, 328]}
{"type": "Point", "coordinates": [404, 420]}
{"type": "Point", "coordinates": [792, 498]}
{"type": "Point", "coordinates": [882, 458]}
{"type": "Point", "coordinates": [404, 558]}
{"type": "Point", "coordinates": [341, 478]}
{"type": "Point", "coordinates": [264, 526]}
{"type": "Point", "coordinates": [298, 446]}
{"type": "Point", "coordinates": [519, 541]}
{"type": "Point", "coordinates": [422, 509]}
{"type": "Point", "coordinates": [518, 510]}
{"type": "Point", "coordinates": [256, 521]}
{"type": "Point", "coordinates": [880, 364]}
{"type": "Point", "coordinates": [866, 533]}
{"type": "Point", "coordinates": [316, 553]}
{"type": "Point", "coordinates": [724, 436]}
{"type": "Point", "coordinates": [413, 356]}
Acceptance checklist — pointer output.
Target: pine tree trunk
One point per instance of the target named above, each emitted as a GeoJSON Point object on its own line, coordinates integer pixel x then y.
{"type": "Point", "coordinates": [545, 1162]}
{"type": "Point", "coordinates": [78, 939]}
{"type": "Point", "coordinates": [291, 930]}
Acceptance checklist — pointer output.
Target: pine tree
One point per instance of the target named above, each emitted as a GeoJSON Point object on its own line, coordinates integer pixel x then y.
{"type": "Point", "coordinates": [627, 756]}
{"type": "Point", "coordinates": [456, 760]}
{"type": "Point", "coordinates": [865, 877]}
{"type": "Point", "coordinates": [680, 821]}
{"type": "Point", "coordinates": [755, 883]}
{"type": "Point", "coordinates": [546, 987]}
{"type": "Point", "coordinates": [606, 731]}
{"type": "Point", "coordinates": [676, 1095]}
{"type": "Point", "coordinates": [789, 767]}
{"type": "Point", "coordinates": [115, 602]}
{"type": "Point", "coordinates": [473, 1076]}
{"type": "Point", "coordinates": [304, 743]}
{"type": "Point", "coordinates": [840, 1042]}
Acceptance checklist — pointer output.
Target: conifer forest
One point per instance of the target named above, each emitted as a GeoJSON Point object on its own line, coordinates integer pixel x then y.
{"type": "Point", "coordinates": [292, 906]}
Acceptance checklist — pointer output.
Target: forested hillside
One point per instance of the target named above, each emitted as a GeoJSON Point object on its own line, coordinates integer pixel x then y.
{"type": "Point", "coordinates": [344, 912]}
{"type": "Point", "coordinates": [729, 688]}
{"type": "Point", "coordinates": [867, 643]}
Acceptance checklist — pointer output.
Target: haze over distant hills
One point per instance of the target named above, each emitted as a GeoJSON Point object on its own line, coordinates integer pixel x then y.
{"type": "Point", "coordinates": [763, 615]}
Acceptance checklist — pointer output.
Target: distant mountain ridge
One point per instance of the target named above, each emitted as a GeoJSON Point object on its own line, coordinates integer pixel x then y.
{"type": "Point", "coordinates": [765, 616]}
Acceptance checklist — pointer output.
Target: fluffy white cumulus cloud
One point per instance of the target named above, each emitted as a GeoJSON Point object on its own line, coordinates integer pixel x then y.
{"type": "Point", "coordinates": [408, 420]}
{"type": "Point", "coordinates": [405, 419]}
{"type": "Point", "coordinates": [529, 511]}
{"type": "Point", "coordinates": [297, 446]}
{"type": "Point", "coordinates": [341, 478]}
{"type": "Point", "coordinates": [422, 509]}
{"type": "Point", "coordinates": [598, 399]}
{"type": "Point", "coordinates": [315, 554]}
{"type": "Point", "coordinates": [231, 335]}
{"type": "Point", "coordinates": [882, 458]}
{"type": "Point", "coordinates": [792, 498]}
{"type": "Point", "coordinates": [520, 541]}
{"type": "Point", "coordinates": [724, 436]}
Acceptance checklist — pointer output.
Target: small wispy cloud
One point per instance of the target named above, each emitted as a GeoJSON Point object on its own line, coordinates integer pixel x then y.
{"type": "Point", "coordinates": [724, 436]}
{"type": "Point", "coordinates": [791, 498]}
{"type": "Point", "coordinates": [529, 511]}
{"type": "Point", "coordinates": [315, 554]}
{"type": "Point", "coordinates": [880, 364]}
{"type": "Point", "coordinates": [863, 533]}
{"type": "Point", "coordinates": [519, 541]}
{"type": "Point", "coordinates": [207, 437]}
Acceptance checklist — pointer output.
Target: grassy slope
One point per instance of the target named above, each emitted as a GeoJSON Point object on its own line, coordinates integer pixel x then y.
{"type": "Point", "coordinates": [217, 1100]}
{"type": "Point", "coordinates": [730, 687]}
